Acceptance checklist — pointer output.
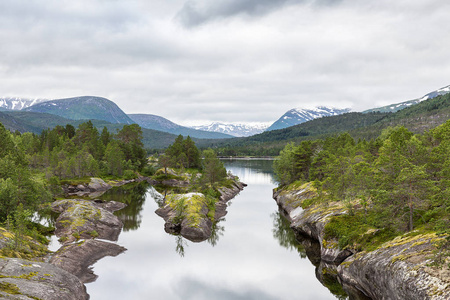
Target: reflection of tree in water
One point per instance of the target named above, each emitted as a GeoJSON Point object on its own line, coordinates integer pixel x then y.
{"type": "Point", "coordinates": [217, 232]}
{"type": "Point", "coordinates": [285, 235]}
{"type": "Point", "coordinates": [181, 243]}
{"type": "Point", "coordinates": [308, 248]}
{"type": "Point", "coordinates": [134, 196]}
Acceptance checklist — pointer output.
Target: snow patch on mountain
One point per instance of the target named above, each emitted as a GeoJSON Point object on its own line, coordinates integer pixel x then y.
{"type": "Point", "coordinates": [399, 106]}
{"type": "Point", "coordinates": [297, 116]}
{"type": "Point", "coordinates": [234, 129]}
{"type": "Point", "coordinates": [17, 103]}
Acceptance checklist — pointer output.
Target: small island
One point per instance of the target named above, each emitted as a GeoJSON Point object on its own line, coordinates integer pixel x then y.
{"type": "Point", "coordinates": [200, 189]}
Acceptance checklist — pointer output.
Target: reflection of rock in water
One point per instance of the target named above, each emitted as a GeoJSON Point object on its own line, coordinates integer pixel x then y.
{"type": "Point", "coordinates": [327, 273]}
{"type": "Point", "coordinates": [77, 258]}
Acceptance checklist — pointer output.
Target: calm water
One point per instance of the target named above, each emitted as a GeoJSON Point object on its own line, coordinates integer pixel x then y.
{"type": "Point", "coordinates": [253, 254]}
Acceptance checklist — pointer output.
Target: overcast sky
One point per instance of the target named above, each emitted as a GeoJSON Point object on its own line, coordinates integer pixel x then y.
{"type": "Point", "coordinates": [194, 61]}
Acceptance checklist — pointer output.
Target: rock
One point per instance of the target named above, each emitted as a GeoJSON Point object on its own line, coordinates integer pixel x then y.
{"type": "Point", "coordinates": [201, 228]}
{"type": "Point", "coordinates": [36, 280]}
{"type": "Point", "coordinates": [77, 258]}
{"type": "Point", "coordinates": [397, 270]}
{"type": "Point", "coordinates": [87, 219]}
{"type": "Point", "coordinates": [97, 185]}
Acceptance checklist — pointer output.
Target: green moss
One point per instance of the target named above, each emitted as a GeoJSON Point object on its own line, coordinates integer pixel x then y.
{"type": "Point", "coordinates": [9, 288]}
{"type": "Point", "coordinates": [351, 231]}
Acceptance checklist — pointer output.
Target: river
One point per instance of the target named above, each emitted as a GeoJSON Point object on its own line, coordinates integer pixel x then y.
{"type": "Point", "coordinates": [252, 255]}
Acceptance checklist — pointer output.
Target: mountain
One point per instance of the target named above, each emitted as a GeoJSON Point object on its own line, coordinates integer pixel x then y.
{"type": "Point", "coordinates": [162, 124]}
{"type": "Point", "coordinates": [83, 108]}
{"type": "Point", "coordinates": [402, 105]}
{"type": "Point", "coordinates": [16, 103]}
{"type": "Point", "coordinates": [299, 115]}
{"type": "Point", "coordinates": [417, 118]}
{"type": "Point", "coordinates": [237, 129]}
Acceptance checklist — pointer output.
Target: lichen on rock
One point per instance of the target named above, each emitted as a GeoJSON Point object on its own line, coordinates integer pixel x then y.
{"type": "Point", "coordinates": [87, 219]}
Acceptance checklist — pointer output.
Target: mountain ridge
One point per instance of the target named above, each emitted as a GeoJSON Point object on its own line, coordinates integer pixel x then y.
{"type": "Point", "coordinates": [234, 129]}
{"type": "Point", "coordinates": [155, 122]}
{"type": "Point", "coordinates": [401, 105]}
{"type": "Point", "coordinates": [83, 108]}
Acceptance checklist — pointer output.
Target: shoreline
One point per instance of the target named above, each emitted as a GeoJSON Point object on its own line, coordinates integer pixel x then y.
{"type": "Point", "coordinates": [398, 269]}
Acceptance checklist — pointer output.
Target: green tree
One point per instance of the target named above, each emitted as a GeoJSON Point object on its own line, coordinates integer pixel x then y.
{"type": "Point", "coordinates": [285, 165]}
{"type": "Point", "coordinates": [213, 169]}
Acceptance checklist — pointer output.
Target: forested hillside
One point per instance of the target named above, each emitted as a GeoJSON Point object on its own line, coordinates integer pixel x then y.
{"type": "Point", "coordinates": [394, 184]}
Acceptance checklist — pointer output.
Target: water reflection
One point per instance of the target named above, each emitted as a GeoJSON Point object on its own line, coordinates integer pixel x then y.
{"type": "Point", "coordinates": [245, 263]}
{"type": "Point", "coordinates": [134, 196]}
{"type": "Point", "coordinates": [285, 235]}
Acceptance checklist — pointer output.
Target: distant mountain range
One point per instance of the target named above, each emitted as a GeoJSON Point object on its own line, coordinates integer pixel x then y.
{"type": "Point", "coordinates": [237, 129]}
{"type": "Point", "coordinates": [34, 115]}
{"type": "Point", "coordinates": [299, 115]}
{"type": "Point", "coordinates": [162, 124]}
{"type": "Point", "coordinates": [402, 105]}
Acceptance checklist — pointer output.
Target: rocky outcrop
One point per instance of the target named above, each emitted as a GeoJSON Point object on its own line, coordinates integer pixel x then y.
{"type": "Point", "coordinates": [397, 270]}
{"type": "Point", "coordinates": [87, 219]}
{"type": "Point", "coordinates": [77, 258]}
{"type": "Point", "coordinates": [22, 279]}
{"type": "Point", "coordinates": [190, 214]}
{"type": "Point", "coordinates": [226, 194]}
{"type": "Point", "coordinates": [311, 222]}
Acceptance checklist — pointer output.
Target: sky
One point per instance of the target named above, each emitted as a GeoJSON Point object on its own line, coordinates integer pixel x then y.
{"type": "Point", "coordinates": [197, 61]}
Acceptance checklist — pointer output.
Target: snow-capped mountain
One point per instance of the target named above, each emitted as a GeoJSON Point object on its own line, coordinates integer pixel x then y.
{"type": "Point", "coordinates": [299, 115]}
{"type": "Point", "coordinates": [162, 124]}
{"type": "Point", "coordinates": [399, 106]}
{"type": "Point", "coordinates": [83, 108]}
{"type": "Point", "coordinates": [16, 103]}
{"type": "Point", "coordinates": [234, 129]}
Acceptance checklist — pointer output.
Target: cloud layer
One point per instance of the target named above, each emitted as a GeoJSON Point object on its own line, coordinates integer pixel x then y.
{"type": "Point", "coordinates": [232, 60]}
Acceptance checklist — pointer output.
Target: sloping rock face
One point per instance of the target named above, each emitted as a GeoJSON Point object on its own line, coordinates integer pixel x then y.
{"type": "Point", "coordinates": [21, 279]}
{"type": "Point", "coordinates": [77, 258]}
{"type": "Point", "coordinates": [398, 270]}
{"type": "Point", "coordinates": [87, 219]}
{"type": "Point", "coordinates": [311, 222]}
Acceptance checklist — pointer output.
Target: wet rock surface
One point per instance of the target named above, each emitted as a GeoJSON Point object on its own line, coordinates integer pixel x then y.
{"type": "Point", "coordinates": [22, 279]}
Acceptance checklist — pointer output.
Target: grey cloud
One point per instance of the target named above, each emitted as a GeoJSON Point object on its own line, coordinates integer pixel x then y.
{"type": "Point", "coordinates": [197, 12]}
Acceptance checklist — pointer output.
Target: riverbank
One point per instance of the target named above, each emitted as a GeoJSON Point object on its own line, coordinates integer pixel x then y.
{"type": "Point", "coordinates": [397, 269]}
